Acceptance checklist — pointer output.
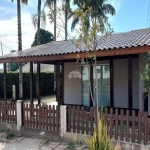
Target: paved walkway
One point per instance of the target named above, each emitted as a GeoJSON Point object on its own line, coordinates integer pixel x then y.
{"type": "Point", "coordinates": [26, 143]}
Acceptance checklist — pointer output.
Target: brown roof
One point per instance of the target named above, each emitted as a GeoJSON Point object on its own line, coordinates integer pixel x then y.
{"type": "Point", "coordinates": [129, 39]}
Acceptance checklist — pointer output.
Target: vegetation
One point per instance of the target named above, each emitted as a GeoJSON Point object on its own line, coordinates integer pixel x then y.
{"type": "Point", "coordinates": [100, 139]}
{"type": "Point", "coordinates": [9, 136]}
{"type": "Point", "coordinates": [70, 146]}
{"type": "Point", "coordinates": [145, 77]}
{"type": "Point", "coordinates": [99, 9]}
{"type": "Point", "coordinates": [47, 86]}
{"type": "Point", "coordinates": [46, 37]}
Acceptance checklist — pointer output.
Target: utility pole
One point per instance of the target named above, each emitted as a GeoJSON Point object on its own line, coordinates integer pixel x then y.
{"type": "Point", "coordinates": [1, 47]}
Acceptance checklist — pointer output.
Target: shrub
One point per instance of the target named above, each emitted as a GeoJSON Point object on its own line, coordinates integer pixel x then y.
{"type": "Point", "coordinates": [47, 84]}
{"type": "Point", "coordinates": [101, 139]}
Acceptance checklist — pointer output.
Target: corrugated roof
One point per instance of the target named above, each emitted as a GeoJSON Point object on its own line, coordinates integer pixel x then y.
{"type": "Point", "coordinates": [120, 40]}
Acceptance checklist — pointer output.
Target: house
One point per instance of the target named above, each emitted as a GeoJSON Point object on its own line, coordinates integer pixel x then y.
{"type": "Point", "coordinates": [44, 68]}
{"type": "Point", "coordinates": [118, 60]}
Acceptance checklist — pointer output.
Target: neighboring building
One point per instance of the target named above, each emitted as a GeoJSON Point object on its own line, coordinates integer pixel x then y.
{"type": "Point", "coordinates": [118, 60]}
{"type": "Point", "coordinates": [44, 68]}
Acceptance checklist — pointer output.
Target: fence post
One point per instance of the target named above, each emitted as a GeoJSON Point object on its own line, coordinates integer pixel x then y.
{"type": "Point", "coordinates": [14, 92]}
{"type": "Point", "coordinates": [63, 120]}
{"type": "Point", "coordinates": [19, 114]}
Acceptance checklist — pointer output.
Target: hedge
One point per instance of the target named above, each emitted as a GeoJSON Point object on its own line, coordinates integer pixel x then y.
{"type": "Point", "coordinates": [47, 84]}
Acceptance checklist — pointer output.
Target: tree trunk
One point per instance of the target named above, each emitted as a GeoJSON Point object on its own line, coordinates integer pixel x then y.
{"type": "Point", "coordinates": [39, 21]}
{"type": "Point", "coordinates": [55, 16]}
{"type": "Point", "coordinates": [20, 49]}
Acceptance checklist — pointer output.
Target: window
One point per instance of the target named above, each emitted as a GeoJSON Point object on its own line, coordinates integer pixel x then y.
{"type": "Point", "coordinates": [103, 83]}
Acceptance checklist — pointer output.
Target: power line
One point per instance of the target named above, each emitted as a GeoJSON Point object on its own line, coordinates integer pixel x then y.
{"type": "Point", "coordinates": [6, 46]}
{"type": "Point", "coordinates": [12, 41]}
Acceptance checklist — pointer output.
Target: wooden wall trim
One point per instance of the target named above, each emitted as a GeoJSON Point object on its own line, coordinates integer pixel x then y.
{"type": "Point", "coordinates": [111, 84]}
{"type": "Point", "coordinates": [39, 83]}
{"type": "Point", "coordinates": [31, 82]}
{"type": "Point", "coordinates": [91, 82]}
{"type": "Point", "coordinates": [58, 83]}
{"type": "Point", "coordinates": [130, 82]}
{"type": "Point", "coordinates": [5, 83]}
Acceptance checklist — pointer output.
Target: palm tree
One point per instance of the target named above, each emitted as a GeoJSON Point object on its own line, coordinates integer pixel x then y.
{"type": "Point", "coordinates": [20, 44]}
{"type": "Point", "coordinates": [99, 9]}
{"type": "Point", "coordinates": [52, 3]}
{"type": "Point", "coordinates": [38, 20]}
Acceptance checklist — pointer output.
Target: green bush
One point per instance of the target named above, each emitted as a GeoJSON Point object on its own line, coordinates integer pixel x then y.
{"type": "Point", "coordinates": [47, 84]}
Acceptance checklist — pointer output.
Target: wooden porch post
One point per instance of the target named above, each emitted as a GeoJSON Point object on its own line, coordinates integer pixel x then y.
{"type": "Point", "coordinates": [31, 82]}
{"type": "Point", "coordinates": [91, 83]}
{"type": "Point", "coordinates": [39, 85]}
{"type": "Point", "coordinates": [111, 84]}
{"type": "Point", "coordinates": [5, 83]}
{"type": "Point", "coordinates": [58, 83]}
{"type": "Point", "coordinates": [130, 83]}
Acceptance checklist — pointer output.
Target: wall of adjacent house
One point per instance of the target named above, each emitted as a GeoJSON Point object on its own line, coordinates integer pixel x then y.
{"type": "Point", "coordinates": [121, 83]}
{"type": "Point", "coordinates": [72, 87]}
{"type": "Point", "coordinates": [141, 69]}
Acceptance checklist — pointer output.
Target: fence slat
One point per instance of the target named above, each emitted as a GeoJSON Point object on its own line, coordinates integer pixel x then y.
{"type": "Point", "coordinates": [133, 126]}
{"type": "Point", "coordinates": [145, 127]}
{"type": "Point", "coordinates": [57, 118]}
{"type": "Point", "coordinates": [74, 122]}
{"type": "Point", "coordinates": [122, 124]}
{"type": "Point", "coordinates": [116, 124]}
{"type": "Point", "coordinates": [39, 116]}
{"type": "Point", "coordinates": [82, 119]}
{"type": "Point", "coordinates": [50, 118]}
{"type": "Point", "coordinates": [78, 119]}
{"type": "Point", "coordinates": [91, 121]}
{"type": "Point", "coordinates": [111, 119]}
{"type": "Point", "coordinates": [139, 127]}
{"type": "Point", "coordinates": [87, 122]}
{"type": "Point", "coordinates": [127, 125]}
{"type": "Point", "coordinates": [46, 113]}
{"type": "Point", "coordinates": [53, 118]}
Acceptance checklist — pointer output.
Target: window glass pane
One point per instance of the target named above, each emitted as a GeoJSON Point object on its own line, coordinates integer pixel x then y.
{"type": "Point", "coordinates": [103, 83]}
{"type": "Point", "coordinates": [85, 86]}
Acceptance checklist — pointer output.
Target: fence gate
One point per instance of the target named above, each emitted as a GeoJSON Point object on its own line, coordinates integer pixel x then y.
{"type": "Point", "coordinates": [41, 117]}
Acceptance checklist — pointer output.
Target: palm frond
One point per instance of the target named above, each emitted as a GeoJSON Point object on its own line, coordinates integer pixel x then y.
{"type": "Point", "coordinates": [24, 2]}
{"type": "Point", "coordinates": [74, 23]}
{"type": "Point", "coordinates": [109, 9]}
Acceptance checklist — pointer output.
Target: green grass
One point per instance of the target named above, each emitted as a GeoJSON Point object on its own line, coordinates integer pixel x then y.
{"type": "Point", "coordinates": [70, 146]}
{"type": "Point", "coordinates": [10, 136]}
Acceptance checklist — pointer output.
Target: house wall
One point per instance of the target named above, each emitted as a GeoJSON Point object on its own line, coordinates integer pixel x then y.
{"type": "Point", "coordinates": [121, 83]}
{"type": "Point", "coordinates": [72, 87]}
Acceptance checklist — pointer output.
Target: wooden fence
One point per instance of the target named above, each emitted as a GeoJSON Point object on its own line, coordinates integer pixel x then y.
{"type": "Point", "coordinates": [121, 125]}
{"type": "Point", "coordinates": [41, 117]}
{"type": "Point", "coordinates": [8, 112]}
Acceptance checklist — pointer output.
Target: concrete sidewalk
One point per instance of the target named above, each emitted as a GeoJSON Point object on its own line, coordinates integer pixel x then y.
{"type": "Point", "coordinates": [28, 143]}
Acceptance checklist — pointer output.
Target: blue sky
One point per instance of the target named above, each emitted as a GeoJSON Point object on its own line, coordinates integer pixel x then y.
{"type": "Point", "coordinates": [130, 15]}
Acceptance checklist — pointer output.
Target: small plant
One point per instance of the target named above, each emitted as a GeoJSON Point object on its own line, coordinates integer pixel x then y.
{"type": "Point", "coordinates": [46, 142]}
{"type": "Point", "coordinates": [10, 136]}
{"type": "Point", "coordinates": [70, 146]}
{"type": "Point", "coordinates": [101, 139]}
{"type": "Point", "coordinates": [2, 130]}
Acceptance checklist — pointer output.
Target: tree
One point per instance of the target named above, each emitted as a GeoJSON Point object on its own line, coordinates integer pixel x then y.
{"type": "Point", "coordinates": [99, 9]}
{"type": "Point", "coordinates": [46, 37]}
{"type": "Point", "coordinates": [20, 44]}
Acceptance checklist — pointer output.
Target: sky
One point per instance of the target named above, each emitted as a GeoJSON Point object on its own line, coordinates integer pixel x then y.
{"type": "Point", "coordinates": [130, 15]}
